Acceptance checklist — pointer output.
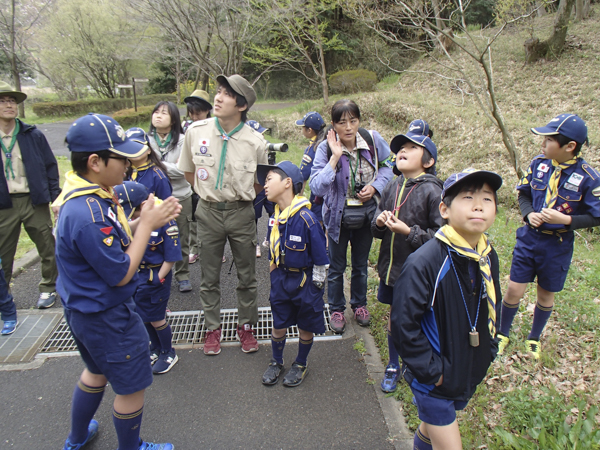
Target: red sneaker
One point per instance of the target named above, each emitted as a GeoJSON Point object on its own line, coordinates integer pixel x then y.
{"type": "Point", "coordinates": [245, 334]}
{"type": "Point", "coordinates": [212, 342]}
{"type": "Point", "coordinates": [362, 316]}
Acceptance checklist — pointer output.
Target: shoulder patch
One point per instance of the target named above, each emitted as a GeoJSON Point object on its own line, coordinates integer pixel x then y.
{"type": "Point", "coordinates": [593, 173]}
{"type": "Point", "coordinates": [308, 218]}
{"type": "Point", "coordinates": [172, 231]}
{"type": "Point", "coordinates": [95, 209]}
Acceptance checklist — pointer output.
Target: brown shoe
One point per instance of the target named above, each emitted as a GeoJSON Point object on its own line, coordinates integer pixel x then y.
{"type": "Point", "coordinates": [212, 342]}
{"type": "Point", "coordinates": [245, 334]}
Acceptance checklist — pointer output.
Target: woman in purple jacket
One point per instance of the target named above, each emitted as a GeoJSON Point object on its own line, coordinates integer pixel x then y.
{"type": "Point", "coordinates": [349, 174]}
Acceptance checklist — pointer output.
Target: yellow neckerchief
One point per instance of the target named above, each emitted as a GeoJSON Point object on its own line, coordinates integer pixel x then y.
{"type": "Point", "coordinates": [552, 189]}
{"type": "Point", "coordinates": [298, 203]}
{"type": "Point", "coordinates": [141, 168]}
{"type": "Point", "coordinates": [76, 186]}
{"type": "Point", "coordinates": [448, 235]}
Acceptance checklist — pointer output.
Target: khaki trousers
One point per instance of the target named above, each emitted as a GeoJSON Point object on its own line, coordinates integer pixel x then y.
{"type": "Point", "coordinates": [181, 271]}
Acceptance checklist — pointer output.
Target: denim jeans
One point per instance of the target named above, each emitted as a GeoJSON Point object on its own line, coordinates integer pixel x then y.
{"type": "Point", "coordinates": [360, 244]}
{"type": "Point", "coordinates": [8, 309]}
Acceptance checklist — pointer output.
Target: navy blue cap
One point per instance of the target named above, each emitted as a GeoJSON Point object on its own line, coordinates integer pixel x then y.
{"type": "Point", "coordinates": [492, 178]}
{"type": "Point", "coordinates": [138, 135]}
{"type": "Point", "coordinates": [96, 132]}
{"type": "Point", "coordinates": [290, 169]}
{"type": "Point", "coordinates": [257, 126]}
{"type": "Point", "coordinates": [311, 120]}
{"type": "Point", "coordinates": [569, 125]}
{"type": "Point", "coordinates": [418, 132]}
{"type": "Point", "coordinates": [131, 195]}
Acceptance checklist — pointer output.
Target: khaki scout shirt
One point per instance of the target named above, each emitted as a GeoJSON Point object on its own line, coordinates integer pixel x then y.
{"type": "Point", "coordinates": [201, 154]}
{"type": "Point", "coordinates": [19, 185]}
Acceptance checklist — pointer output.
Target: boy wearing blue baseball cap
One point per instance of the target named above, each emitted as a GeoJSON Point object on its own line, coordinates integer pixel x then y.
{"type": "Point", "coordinates": [407, 216]}
{"type": "Point", "coordinates": [445, 306]}
{"type": "Point", "coordinates": [298, 252]}
{"type": "Point", "coordinates": [98, 254]}
{"type": "Point", "coordinates": [559, 194]}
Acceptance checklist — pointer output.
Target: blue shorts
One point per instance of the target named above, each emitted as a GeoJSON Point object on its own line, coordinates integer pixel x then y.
{"type": "Point", "coordinates": [114, 343]}
{"type": "Point", "coordinates": [151, 299]}
{"type": "Point", "coordinates": [385, 293]}
{"type": "Point", "coordinates": [436, 411]}
{"type": "Point", "coordinates": [295, 300]}
{"type": "Point", "coordinates": [543, 255]}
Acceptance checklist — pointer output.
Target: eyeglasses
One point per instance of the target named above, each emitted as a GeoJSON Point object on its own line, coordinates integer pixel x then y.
{"type": "Point", "coordinates": [8, 101]}
{"type": "Point", "coordinates": [121, 158]}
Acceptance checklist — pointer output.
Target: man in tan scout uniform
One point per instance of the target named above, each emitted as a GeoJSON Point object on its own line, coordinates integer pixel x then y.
{"type": "Point", "coordinates": [28, 183]}
{"type": "Point", "coordinates": [219, 158]}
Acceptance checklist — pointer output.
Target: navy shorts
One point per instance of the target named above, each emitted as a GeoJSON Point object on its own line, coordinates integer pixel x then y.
{"type": "Point", "coordinates": [436, 411]}
{"type": "Point", "coordinates": [543, 255]}
{"type": "Point", "coordinates": [114, 343]}
{"type": "Point", "coordinates": [151, 299]}
{"type": "Point", "coordinates": [295, 300]}
{"type": "Point", "coordinates": [385, 293]}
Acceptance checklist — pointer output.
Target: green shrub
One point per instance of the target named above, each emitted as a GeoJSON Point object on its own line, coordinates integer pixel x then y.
{"type": "Point", "coordinates": [352, 81]}
{"type": "Point", "coordinates": [102, 106]}
{"type": "Point", "coordinates": [130, 117]}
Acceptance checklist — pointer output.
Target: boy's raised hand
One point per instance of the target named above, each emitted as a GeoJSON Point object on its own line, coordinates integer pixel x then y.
{"type": "Point", "coordinates": [382, 218]}
{"type": "Point", "coordinates": [157, 216]}
{"type": "Point", "coordinates": [395, 225]}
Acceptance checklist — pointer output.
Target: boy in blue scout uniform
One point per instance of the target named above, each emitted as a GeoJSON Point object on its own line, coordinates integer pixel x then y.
{"type": "Point", "coordinates": [312, 125]}
{"type": "Point", "coordinates": [152, 295]}
{"type": "Point", "coordinates": [559, 194]}
{"type": "Point", "coordinates": [8, 309]}
{"type": "Point", "coordinates": [297, 269]}
{"type": "Point", "coordinates": [98, 257]}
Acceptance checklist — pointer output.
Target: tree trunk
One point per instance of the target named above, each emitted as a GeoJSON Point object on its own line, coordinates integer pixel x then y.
{"type": "Point", "coordinates": [553, 46]}
{"type": "Point", "coordinates": [541, 9]}
{"type": "Point", "coordinates": [578, 10]}
{"type": "Point", "coordinates": [14, 69]}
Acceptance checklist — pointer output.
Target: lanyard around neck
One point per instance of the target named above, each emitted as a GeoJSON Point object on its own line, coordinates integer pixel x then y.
{"type": "Point", "coordinates": [8, 151]}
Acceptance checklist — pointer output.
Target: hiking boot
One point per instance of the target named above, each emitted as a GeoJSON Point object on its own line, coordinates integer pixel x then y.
{"type": "Point", "coordinates": [295, 375]}
{"type": "Point", "coordinates": [185, 286]}
{"type": "Point", "coordinates": [193, 258]}
{"type": "Point", "coordinates": [535, 348]}
{"type": "Point", "coordinates": [165, 362]}
{"type": "Point", "coordinates": [154, 354]}
{"type": "Point", "coordinates": [258, 253]}
{"type": "Point", "coordinates": [92, 433]}
{"type": "Point", "coordinates": [337, 322]}
{"type": "Point", "coordinates": [245, 334]}
{"type": "Point", "coordinates": [390, 378]}
{"type": "Point", "coordinates": [502, 343]}
{"type": "Point", "coordinates": [212, 342]}
{"type": "Point", "coordinates": [9, 327]}
{"type": "Point", "coordinates": [271, 375]}
{"type": "Point", "coordinates": [46, 300]}
{"type": "Point", "coordinates": [362, 316]}
{"type": "Point", "coordinates": [153, 446]}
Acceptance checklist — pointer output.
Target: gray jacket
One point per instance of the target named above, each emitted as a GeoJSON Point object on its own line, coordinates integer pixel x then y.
{"type": "Point", "coordinates": [170, 156]}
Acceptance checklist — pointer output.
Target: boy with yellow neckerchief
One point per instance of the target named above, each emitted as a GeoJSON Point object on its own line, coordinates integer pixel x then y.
{"type": "Point", "coordinates": [446, 301]}
{"type": "Point", "coordinates": [298, 253]}
{"type": "Point", "coordinates": [559, 194]}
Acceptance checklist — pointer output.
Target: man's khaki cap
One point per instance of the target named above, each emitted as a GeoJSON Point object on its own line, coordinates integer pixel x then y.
{"type": "Point", "coordinates": [6, 89]}
{"type": "Point", "coordinates": [240, 85]}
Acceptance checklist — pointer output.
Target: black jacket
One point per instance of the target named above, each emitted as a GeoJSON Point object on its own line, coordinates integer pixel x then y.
{"type": "Point", "coordinates": [420, 212]}
{"type": "Point", "coordinates": [430, 327]}
{"type": "Point", "coordinates": [41, 168]}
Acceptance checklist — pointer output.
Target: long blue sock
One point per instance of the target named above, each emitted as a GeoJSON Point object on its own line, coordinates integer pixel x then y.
{"type": "Point", "coordinates": [277, 346]}
{"type": "Point", "coordinates": [303, 350]}
{"type": "Point", "coordinates": [541, 314]}
{"type": "Point", "coordinates": [421, 442]}
{"type": "Point", "coordinates": [128, 429]}
{"type": "Point", "coordinates": [507, 316]}
{"type": "Point", "coordinates": [86, 400]}
{"type": "Point", "coordinates": [394, 357]}
{"type": "Point", "coordinates": [165, 336]}
{"type": "Point", "coordinates": [154, 342]}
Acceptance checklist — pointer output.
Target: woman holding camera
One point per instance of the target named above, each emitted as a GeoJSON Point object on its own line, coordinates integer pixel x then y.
{"type": "Point", "coordinates": [349, 174]}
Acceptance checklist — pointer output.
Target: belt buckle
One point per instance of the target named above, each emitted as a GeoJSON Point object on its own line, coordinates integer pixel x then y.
{"type": "Point", "coordinates": [221, 206]}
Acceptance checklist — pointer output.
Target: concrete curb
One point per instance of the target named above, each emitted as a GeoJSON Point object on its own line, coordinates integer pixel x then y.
{"type": "Point", "coordinates": [30, 258]}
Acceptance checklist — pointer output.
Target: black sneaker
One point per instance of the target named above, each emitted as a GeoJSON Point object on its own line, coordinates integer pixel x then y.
{"type": "Point", "coordinates": [295, 375]}
{"type": "Point", "coordinates": [271, 375]}
{"type": "Point", "coordinates": [46, 300]}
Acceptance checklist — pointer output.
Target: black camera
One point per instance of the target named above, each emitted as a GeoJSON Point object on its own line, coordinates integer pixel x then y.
{"type": "Point", "coordinates": [357, 188]}
{"type": "Point", "coordinates": [272, 149]}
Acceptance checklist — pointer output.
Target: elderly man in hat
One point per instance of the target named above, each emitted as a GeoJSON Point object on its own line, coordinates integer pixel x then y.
{"type": "Point", "coordinates": [29, 182]}
{"type": "Point", "coordinates": [219, 159]}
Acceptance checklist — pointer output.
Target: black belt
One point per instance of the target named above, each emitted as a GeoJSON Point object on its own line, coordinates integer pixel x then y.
{"type": "Point", "coordinates": [224, 206]}
{"type": "Point", "coordinates": [149, 266]}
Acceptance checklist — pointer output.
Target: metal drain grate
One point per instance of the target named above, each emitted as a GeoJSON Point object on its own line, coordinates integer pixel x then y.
{"type": "Point", "coordinates": [188, 328]}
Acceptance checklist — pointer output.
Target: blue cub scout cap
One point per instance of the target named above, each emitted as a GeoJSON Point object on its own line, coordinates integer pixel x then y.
{"type": "Point", "coordinates": [96, 132]}
{"type": "Point", "coordinates": [131, 195]}
{"type": "Point", "coordinates": [418, 132]}
{"type": "Point", "coordinates": [492, 178]}
{"type": "Point", "coordinates": [138, 135]}
{"type": "Point", "coordinates": [569, 125]}
{"type": "Point", "coordinates": [311, 120]}
{"type": "Point", "coordinates": [289, 168]}
{"type": "Point", "coordinates": [255, 125]}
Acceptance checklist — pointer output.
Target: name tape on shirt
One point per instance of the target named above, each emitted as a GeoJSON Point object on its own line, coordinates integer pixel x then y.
{"type": "Point", "coordinates": [295, 238]}
{"type": "Point", "coordinates": [575, 179]}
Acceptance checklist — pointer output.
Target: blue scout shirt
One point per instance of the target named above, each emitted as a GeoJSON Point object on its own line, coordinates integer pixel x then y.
{"type": "Point", "coordinates": [156, 181]}
{"type": "Point", "coordinates": [308, 160]}
{"type": "Point", "coordinates": [304, 238]}
{"type": "Point", "coordinates": [90, 256]}
{"type": "Point", "coordinates": [163, 245]}
{"type": "Point", "coordinates": [578, 189]}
